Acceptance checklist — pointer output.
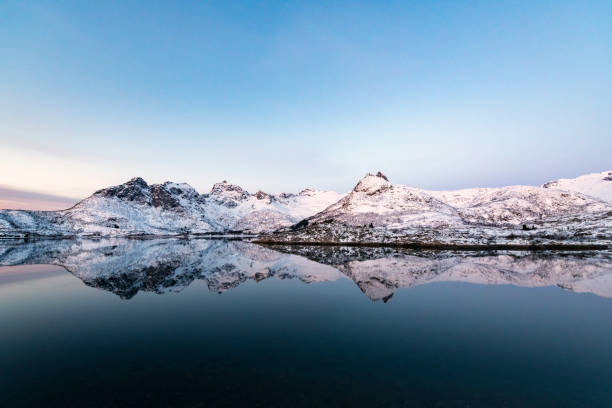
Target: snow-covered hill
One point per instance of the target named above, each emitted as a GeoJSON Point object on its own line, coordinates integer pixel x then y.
{"type": "Point", "coordinates": [137, 208]}
{"type": "Point", "coordinates": [379, 211]}
{"type": "Point", "coordinates": [595, 185]}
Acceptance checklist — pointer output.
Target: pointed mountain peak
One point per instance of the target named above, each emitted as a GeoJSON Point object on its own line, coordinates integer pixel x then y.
{"type": "Point", "coordinates": [139, 181]}
{"type": "Point", "coordinates": [260, 195]}
{"type": "Point", "coordinates": [227, 190]}
{"type": "Point", "coordinates": [379, 174]}
{"type": "Point", "coordinates": [180, 188]}
{"type": "Point", "coordinates": [134, 190]}
{"type": "Point", "coordinates": [306, 192]}
{"type": "Point", "coordinates": [372, 183]}
{"type": "Point", "coordinates": [285, 196]}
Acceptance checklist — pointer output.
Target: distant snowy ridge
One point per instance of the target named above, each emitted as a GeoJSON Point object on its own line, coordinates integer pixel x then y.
{"type": "Point", "coordinates": [595, 185]}
{"type": "Point", "coordinates": [137, 208]}
{"type": "Point", "coordinates": [376, 210]}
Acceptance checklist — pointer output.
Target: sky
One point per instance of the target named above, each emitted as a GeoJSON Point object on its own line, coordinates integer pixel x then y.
{"type": "Point", "coordinates": [281, 96]}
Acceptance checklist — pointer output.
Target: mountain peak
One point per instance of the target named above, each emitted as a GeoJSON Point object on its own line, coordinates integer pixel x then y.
{"type": "Point", "coordinates": [135, 189]}
{"type": "Point", "coordinates": [372, 183]}
{"type": "Point", "coordinates": [139, 181]}
{"type": "Point", "coordinates": [182, 189]}
{"type": "Point", "coordinates": [379, 174]}
{"type": "Point", "coordinates": [306, 192]}
{"type": "Point", "coordinates": [260, 195]}
{"type": "Point", "coordinates": [227, 190]}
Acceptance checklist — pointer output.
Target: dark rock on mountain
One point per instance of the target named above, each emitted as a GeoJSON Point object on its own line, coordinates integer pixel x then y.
{"type": "Point", "coordinates": [229, 191]}
{"type": "Point", "coordinates": [260, 195]}
{"type": "Point", "coordinates": [135, 190]}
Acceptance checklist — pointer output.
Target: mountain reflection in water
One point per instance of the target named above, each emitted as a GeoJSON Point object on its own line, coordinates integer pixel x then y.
{"type": "Point", "coordinates": [125, 266]}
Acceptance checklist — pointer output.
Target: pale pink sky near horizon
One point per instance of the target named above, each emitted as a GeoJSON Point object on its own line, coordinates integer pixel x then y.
{"type": "Point", "coordinates": [12, 198]}
{"type": "Point", "coordinates": [16, 199]}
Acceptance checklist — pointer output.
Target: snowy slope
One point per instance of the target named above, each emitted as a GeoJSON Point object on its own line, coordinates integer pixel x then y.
{"type": "Point", "coordinates": [232, 208]}
{"type": "Point", "coordinates": [516, 205]}
{"type": "Point", "coordinates": [137, 208]}
{"type": "Point", "coordinates": [16, 223]}
{"type": "Point", "coordinates": [379, 211]}
{"type": "Point", "coordinates": [595, 185]}
{"type": "Point", "coordinates": [375, 201]}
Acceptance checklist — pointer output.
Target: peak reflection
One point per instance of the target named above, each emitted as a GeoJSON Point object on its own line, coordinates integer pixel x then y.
{"type": "Point", "coordinates": [126, 267]}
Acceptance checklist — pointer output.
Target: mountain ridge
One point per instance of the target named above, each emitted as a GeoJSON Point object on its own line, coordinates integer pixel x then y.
{"type": "Point", "coordinates": [375, 210]}
{"type": "Point", "coordinates": [378, 211]}
{"type": "Point", "coordinates": [137, 208]}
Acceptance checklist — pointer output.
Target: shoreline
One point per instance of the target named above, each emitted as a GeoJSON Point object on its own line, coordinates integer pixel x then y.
{"type": "Point", "coordinates": [442, 246]}
{"type": "Point", "coordinates": [270, 242]}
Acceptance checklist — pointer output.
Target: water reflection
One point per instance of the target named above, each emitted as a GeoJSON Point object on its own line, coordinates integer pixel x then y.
{"type": "Point", "coordinates": [125, 267]}
{"type": "Point", "coordinates": [283, 343]}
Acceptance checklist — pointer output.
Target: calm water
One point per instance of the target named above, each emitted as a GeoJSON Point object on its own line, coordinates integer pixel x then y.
{"type": "Point", "coordinates": [213, 323]}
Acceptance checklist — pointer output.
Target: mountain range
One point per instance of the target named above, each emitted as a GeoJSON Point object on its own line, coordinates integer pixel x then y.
{"type": "Point", "coordinates": [378, 211]}
{"type": "Point", "coordinates": [375, 211]}
{"type": "Point", "coordinates": [136, 208]}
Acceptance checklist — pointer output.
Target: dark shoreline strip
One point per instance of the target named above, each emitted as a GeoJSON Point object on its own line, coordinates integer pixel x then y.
{"type": "Point", "coordinates": [409, 245]}
{"type": "Point", "coordinates": [416, 245]}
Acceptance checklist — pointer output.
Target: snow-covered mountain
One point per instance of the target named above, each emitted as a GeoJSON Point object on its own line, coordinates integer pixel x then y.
{"type": "Point", "coordinates": [137, 208]}
{"type": "Point", "coordinates": [378, 211]}
{"type": "Point", "coordinates": [126, 266]}
{"type": "Point", "coordinates": [595, 185]}
{"type": "Point", "coordinates": [375, 211]}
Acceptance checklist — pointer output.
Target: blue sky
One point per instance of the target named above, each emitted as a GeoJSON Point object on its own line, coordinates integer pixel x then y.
{"type": "Point", "coordinates": [286, 95]}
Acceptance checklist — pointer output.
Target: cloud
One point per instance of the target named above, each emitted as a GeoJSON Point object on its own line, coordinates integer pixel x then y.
{"type": "Point", "coordinates": [11, 198]}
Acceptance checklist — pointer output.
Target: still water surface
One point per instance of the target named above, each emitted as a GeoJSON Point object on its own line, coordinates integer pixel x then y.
{"type": "Point", "coordinates": [215, 323]}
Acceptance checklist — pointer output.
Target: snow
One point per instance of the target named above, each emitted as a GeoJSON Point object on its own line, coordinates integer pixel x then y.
{"type": "Point", "coordinates": [372, 183]}
{"type": "Point", "coordinates": [378, 211]}
{"type": "Point", "coordinates": [515, 205]}
{"type": "Point", "coordinates": [136, 208]}
{"type": "Point", "coordinates": [252, 214]}
{"type": "Point", "coordinates": [595, 185]}
{"type": "Point", "coordinates": [309, 202]}
{"type": "Point", "coordinates": [512, 205]}
{"type": "Point", "coordinates": [111, 216]}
